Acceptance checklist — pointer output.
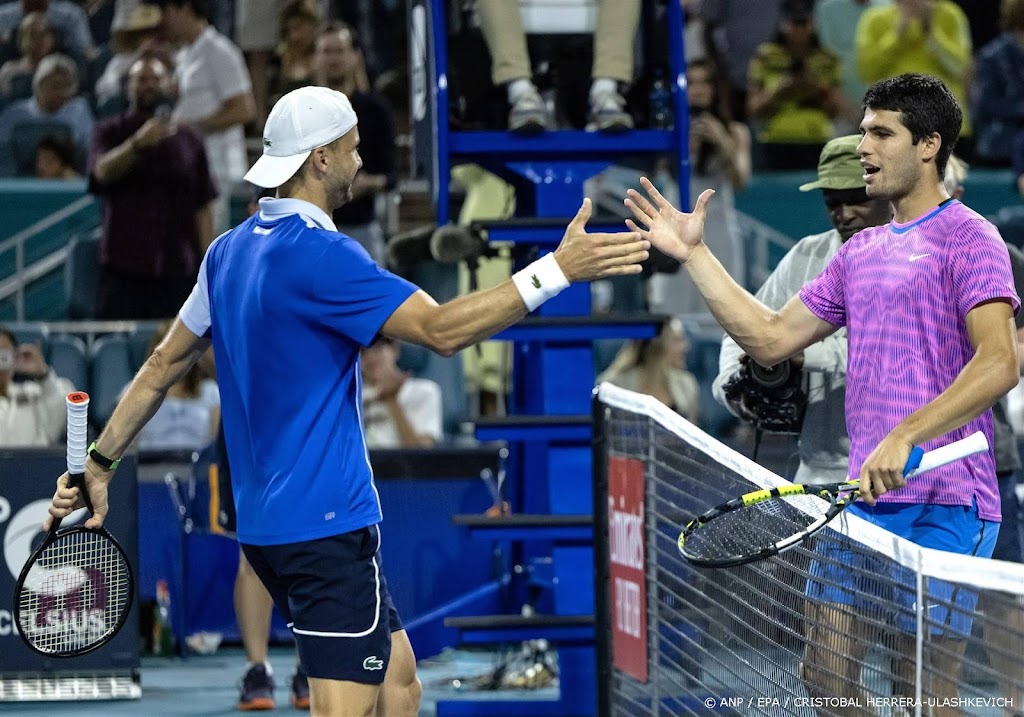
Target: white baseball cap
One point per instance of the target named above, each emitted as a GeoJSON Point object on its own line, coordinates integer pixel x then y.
{"type": "Point", "coordinates": [301, 121]}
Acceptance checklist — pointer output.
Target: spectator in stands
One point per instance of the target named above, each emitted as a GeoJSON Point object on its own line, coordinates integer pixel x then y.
{"type": "Point", "coordinates": [502, 25]}
{"type": "Point", "coordinates": [657, 367]}
{"type": "Point", "coordinates": [134, 28]}
{"type": "Point", "coordinates": [739, 28]}
{"type": "Point", "coordinates": [214, 95]}
{"type": "Point", "coordinates": [997, 92]}
{"type": "Point", "coordinates": [835, 22]}
{"type": "Point", "coordinates": [68, 20]}
{"type": "Point", "coordinates": [794, 91]}
{"type": "Point", "coordinates": [55, 158]}
{"type": "Point", "coordinates": [720, 159]}
{"type": "Point", "coordinates": [341, 66]}
{"type": "Point", "coordinates": [931, 37]}
{"type": "Point", "coordinates": [32, 410]}
{"type": "Point", "coordinates": [157, 189]}
{"type": "Point", "coordinates": [824, 445]}
{"type": "Point", "coordinates": [189, 417]}
{"type": "Point", "coordinates": [399, 411]}
{"type": "Point", "coordinates": [257, 33]}
{"type": "Point", "coordinates": [294, 64]}
{"type": "Point", "coordinates": [36, 40]}
{"type": "Point", "coordinates": [55, 101]}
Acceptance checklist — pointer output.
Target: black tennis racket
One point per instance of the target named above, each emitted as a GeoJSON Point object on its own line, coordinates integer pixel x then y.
{"type": "Point", "coordinates": [763, 523]}
{"type": "Point", "coordinates": [76, 590]}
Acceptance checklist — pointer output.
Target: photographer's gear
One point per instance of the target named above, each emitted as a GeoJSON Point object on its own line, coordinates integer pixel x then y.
{"type": "Point", "coordinates": [773, 399]}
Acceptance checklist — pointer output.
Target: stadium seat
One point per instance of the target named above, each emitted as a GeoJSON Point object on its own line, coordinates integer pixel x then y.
{"type": "Point", "coordinates": [66, 355]}
{"type": "Point", "coordinates": [138, 346]}
{"type": "Point", "coordinates": [25, 137]}
{"type": "Point", "coordinates": [110, 371]}
{"type": "Point", "coordinates": [80, 276]}
{"type": "Point", "coordinates": [34, 335]}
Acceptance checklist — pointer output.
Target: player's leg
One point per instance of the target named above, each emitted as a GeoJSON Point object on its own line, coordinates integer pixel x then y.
{"type": "Point", "coordinates": [836, 640]}
{"type": "Point", "coordinates": [253, 606]}
{"type": "Point", "coordinates": [400, 695]}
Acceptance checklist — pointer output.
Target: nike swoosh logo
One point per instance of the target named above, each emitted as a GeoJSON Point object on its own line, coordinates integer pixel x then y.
{"type": "Point", "coordinates": [915, 257]}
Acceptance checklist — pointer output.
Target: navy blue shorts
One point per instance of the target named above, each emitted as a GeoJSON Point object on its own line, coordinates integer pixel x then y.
{"type": "Point", "coordinates": [333, 594]}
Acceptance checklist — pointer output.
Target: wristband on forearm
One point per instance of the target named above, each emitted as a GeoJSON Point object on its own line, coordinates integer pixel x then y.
{"type": "Point", "coordinates": [540, 281]}
{"type": "Point", "coordinates": [107, 464]}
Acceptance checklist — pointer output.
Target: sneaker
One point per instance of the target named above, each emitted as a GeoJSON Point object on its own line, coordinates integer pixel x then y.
{"type": "Point", "coordinates": [300, 690]}
{"type": "Point", "coordinates": [528, 115]}
{"type": "Point", "coordinates": [257, 690]}
{"type": "Point", "coordinates": [608, 114]}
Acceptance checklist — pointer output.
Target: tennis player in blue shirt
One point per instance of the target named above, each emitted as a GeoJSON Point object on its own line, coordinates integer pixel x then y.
{"type": "Point", "coordinates": [287, 303]}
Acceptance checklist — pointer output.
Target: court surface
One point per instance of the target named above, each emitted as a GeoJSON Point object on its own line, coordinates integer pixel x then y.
{"type": "Point", "coordinates": [207, 686]}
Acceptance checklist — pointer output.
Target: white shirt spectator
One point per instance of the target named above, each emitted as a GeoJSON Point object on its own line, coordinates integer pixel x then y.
{"type": "Point", "coordinates": [33, 413]}
{"type": "Point", "coordinates": [210, 71]}
{"type": "Point", "coordinates": [182, 423]}
{"type": "Point", "coordinates": [420, 398]}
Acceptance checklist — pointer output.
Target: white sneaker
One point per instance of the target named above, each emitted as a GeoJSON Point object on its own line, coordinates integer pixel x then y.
{"type": "Point", "coordinates": [608, 113]}
{"type": "Point", "coordinates": [528, 114]}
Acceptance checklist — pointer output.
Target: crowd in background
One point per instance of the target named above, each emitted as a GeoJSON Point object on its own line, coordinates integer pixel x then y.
{"type": "Point", "coordinates": [160, 105]}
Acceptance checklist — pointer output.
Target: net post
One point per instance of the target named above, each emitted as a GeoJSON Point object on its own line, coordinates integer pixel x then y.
{"type": "Point", "coordinates": [602, 572]}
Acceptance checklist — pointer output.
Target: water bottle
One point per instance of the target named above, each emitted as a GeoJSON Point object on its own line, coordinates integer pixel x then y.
{"type": "Point", "coordinates": [661, 103]}
{"type": "Point", "coordinates": [163, 635]}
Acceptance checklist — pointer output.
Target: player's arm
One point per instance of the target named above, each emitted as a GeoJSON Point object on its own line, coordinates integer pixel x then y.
{"type": "Point", "coordinates": [767, 336]}
{"type": "Point", "coordinates": [991, 372]}
{"type": "Point", "coordinates": [169, 362]}
{"type": "Point", "coordinates": [468, 319]}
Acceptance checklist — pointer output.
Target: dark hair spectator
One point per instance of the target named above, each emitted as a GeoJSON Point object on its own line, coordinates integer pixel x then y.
{"type": "Point", "coordinates": [295, 57]}
{"type": "Point", "coordinates": [55, 158]}
{"type": "Point", "coordinates": [68, 20]}
{"type": "Point", "coordinates": [32, 411]}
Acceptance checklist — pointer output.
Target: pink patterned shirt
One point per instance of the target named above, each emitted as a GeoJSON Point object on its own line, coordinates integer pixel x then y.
{"type": "Point", "coordinates": [903, 291]}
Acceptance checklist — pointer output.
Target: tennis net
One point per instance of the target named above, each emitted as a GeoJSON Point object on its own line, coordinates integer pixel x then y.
{"type": "Point", "coordinates": [855, 621]}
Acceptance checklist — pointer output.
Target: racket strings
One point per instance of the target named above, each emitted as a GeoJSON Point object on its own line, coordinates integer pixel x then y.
{"type": "Point", "coordinates": [753, 528]}
{"type": "Point", "coordinates": [75, 594]}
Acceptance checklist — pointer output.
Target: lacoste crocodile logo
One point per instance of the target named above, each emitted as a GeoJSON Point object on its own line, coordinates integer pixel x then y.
{"type": "Point", "coordinates": [535, 280]}
{"type": "Point", "coordinates": [373, 663]}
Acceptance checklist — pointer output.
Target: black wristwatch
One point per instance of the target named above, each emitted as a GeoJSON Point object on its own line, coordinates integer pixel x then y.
{"type": "Point", "coordinates": [109, 464]}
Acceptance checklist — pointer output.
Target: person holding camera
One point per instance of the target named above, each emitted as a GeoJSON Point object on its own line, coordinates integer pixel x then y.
{"type": "Point", "coordinates": [155, 181]}
{"type": "Point", "coordinates": [32, 409]}
{"type": "Point", "coordinates": [794, 91]}
{"type": "Point", "coordinates": [806, 395]}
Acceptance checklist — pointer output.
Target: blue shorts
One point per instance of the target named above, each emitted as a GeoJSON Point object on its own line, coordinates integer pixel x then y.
{"type": "Point", "coordinates": [334, 596]}
{"type": "Point", "coordinates": [875, 585]}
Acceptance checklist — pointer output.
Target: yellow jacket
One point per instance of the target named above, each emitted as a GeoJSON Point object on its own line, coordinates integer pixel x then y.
{"type": "Point", "coordinates": [945, 52]}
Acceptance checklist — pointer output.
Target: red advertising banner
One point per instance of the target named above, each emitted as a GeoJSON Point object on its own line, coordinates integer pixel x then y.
{"type": "Point", "coordinates": [628, 566]}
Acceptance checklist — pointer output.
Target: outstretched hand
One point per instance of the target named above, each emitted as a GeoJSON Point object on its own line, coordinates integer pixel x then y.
{"type": "Point", "coordinates": [587, 257]}
{"type": "Point", "coordinates": [674, 232]}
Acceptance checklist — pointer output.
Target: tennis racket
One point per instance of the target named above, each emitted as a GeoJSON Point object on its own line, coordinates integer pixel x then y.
{"type": "Point", "coordinates": [76, 590]}
{"type": "Point", "coordinates": [763, 523]}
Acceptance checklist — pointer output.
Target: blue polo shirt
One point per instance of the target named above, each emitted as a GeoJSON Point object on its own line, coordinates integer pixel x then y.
{"type": "Point", "coordinates": [288, 302]}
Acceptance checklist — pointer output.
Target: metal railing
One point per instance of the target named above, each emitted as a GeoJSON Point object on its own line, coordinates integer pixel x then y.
{"type": "Point", "coordinates": [25, 275]}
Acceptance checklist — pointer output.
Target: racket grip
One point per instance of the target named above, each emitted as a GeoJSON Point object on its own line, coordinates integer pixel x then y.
{"type": "Point", "coordinates": [974, 443]}
{"type": "Point", "coordinates": [914, 461]}
{"type": "Point", "coordinates": [78, 431]}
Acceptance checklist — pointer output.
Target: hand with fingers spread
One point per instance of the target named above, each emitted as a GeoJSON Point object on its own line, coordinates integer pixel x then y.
{"type": "Point", "coordinates": [674, 232]}
{"type": "Point", "coordinates": [67, 500]}
{"type": "Point", "coordinates": [586, 257]}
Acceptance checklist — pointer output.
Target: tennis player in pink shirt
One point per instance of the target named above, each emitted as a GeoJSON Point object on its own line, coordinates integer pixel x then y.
{"type": "Point", "coordinates": [928, 302]}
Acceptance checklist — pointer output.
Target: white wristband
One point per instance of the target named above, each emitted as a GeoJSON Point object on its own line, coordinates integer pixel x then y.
{"type": "Point", "coordinates": [540, 281]}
